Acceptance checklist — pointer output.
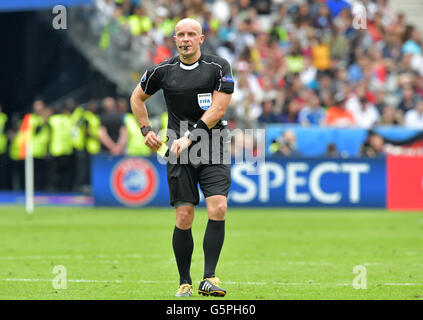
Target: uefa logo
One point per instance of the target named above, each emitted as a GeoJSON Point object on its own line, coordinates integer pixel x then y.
{"type": "Point", "coordinates": [134, 181]}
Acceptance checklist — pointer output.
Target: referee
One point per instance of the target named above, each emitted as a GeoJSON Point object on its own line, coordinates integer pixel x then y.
{"type": "Point", "coordinates": [197, 89]}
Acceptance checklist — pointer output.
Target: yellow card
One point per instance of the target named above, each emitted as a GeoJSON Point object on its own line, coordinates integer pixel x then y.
{"type": "Point", "coordinates": [162, 150]}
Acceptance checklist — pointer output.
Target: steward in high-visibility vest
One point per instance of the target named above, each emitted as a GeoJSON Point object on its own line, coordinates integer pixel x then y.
{"type": "Point", "coordinates": [3, 137]}
{"type": "Point", "coordinates": [14, 147]}
{"type": "Point", "coordinates": [63, 163]}
{"type": "Point", "coordinates": [93, 124]}
{"type": "Point", "coordinates": [78, 128]}
{"type": "Point", "coordinates": [39, 139]}
{"type": "Point", "coordinates": [4, 162]}
{"type": "Point", "coordinates": [16, 162]}
{"type": "Point", "coordinates": [135, 145]}
{"type": "Point", "coordinates": [32, 130]}
{"type": "Point", "coordinates": [61, 135]}
{"type": "Point", "coordinates": [40, 136]}
{"type": "Point", "coordinates": [139, 22]}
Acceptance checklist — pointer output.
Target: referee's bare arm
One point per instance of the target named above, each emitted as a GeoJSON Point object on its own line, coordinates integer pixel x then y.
{"type": "Point", "coordinates": [139, 110]}
{"type": "Point", "coordinates": [218, 108]}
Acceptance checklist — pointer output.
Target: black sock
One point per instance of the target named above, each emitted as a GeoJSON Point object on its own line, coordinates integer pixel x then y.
{"type": "Point", "coordinates": [212, 244]}
{"type": "Point", "coordinates": [183, 245]}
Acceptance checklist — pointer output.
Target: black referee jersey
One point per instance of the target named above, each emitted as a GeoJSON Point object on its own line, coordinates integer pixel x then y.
{"type": "Point", "coordinates": [188, 89]}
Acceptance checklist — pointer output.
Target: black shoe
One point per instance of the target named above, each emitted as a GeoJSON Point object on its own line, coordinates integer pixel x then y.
{"type": "Point", "coordinates": [210, 287]}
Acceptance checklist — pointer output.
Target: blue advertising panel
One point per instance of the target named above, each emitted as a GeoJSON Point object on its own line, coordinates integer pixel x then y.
{"type": "Point", "coordinates": [310, 182]}
{"type": "Point", "coordinates": [128, 181]}
{"type": "Point", "coordinates": [278, 182]}
{"type": "Point", "coordinates": [314, 141]}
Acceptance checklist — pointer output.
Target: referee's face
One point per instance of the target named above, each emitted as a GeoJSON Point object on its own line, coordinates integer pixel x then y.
{"type": "Point", "coordinates": [188, 38]}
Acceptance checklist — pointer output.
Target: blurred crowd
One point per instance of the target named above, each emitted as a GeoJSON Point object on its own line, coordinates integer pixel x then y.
{"type": "Point", "coordinates": [306, 62]}
{"type": "Point", "coordinates": [344, 63]}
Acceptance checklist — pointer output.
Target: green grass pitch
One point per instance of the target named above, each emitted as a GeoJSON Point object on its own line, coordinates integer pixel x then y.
{"type": "Point", "coordinates": [268, 253]}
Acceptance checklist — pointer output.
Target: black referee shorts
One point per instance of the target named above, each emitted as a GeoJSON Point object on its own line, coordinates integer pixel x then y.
{"type": "Point", "coordinates": [183, 179]}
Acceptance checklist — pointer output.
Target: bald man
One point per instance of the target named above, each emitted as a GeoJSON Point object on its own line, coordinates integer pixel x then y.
{"type": "Point", "coordinates": [197, 89]}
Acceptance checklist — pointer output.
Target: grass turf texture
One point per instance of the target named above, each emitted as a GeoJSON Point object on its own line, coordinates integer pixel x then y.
{"type": "Point", "coordinates": [267, 254]}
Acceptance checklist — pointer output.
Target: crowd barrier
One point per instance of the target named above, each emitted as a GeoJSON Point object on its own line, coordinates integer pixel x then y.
{"type": "Point", "coordinates": [395, 182]}
{"type": "Point", "coordinates": [314, 141]}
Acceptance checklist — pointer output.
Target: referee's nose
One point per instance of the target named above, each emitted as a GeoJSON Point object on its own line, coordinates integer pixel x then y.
{"type": "Point", "coordinates": [185, 38]}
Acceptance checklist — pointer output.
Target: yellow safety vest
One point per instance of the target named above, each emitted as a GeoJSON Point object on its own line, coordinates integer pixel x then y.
{"type": "Point", "coordinates": [40, 137]}
{"type": "Point", "coordinates": [93, 132]}
{"type": "Point", "coordinates": [3, 137]}
{"type": "Point", "coordinates": [167, 27]}
{"type": "Point", "coordinates": [78, 128]}
{"type": "Point", "coordinates": [14, 147]}
{"type": "Point", "coordinates": [61, 135]}
{"type": "Point", "coordinates": [135, 145]}
{"type": "Point", "coordinates": [139, 24]}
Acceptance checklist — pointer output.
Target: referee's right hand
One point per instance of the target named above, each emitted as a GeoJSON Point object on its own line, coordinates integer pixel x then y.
{"type": "Point", "coordinates": [153, 141]}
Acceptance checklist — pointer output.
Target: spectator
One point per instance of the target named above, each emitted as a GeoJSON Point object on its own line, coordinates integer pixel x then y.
{"type": "Point", "coordinates": [290, 115]}
{"type": "Point", "coordinates": [332, 151]}
{"type": "Point", "coordinates": [390, 116]}
{"type": "Point", "coordinates": [338, 115]}
{"type": "Point", "coordinates": [247, 112]}
{"type": "Point", "coordinates": [267, 114]}
{"type": "Point", "coordinates": [408, 101]}
{"type": "Point", "coordinates": [139, 22]}
{"type": "Point", "coordinates": [295, 59]}
{"type": "Point", "coordinates": [411, 41]}
{"type": "Point", "coordinates": [113, 134]}
{"type": "Point", "coordinates": [373, 147]}
{"type": "Point", "coordinates": [313, 114]}
{"type": "Point", "coordinates": [4, 171]}
{"type": "Point", "coordinates": [323, 20]}
{"type": "Point", "coordinates": [41, 138]}
{"type": "Point", "coordinates": [326, 99]}
{"type": "Point", "coordinates": [61, 149]}
{"type": "Point", "coordinates": [380, 103]}
{"type": "Point", "coordinates": [365, 113]}
{"type": "Point", "coordinates": [414, 118]}
{"type": "Point", "coordinates": [163, 51]}
{"type": "Point", "coordinates": [286, 145]}
{"type": "Point", "coordinates": [321, 55]}
{"type": "Point", "coordinates": [268, 88]}
{"type": "Point", "coordinates": [339, 44]}
{"type": "Point", "coordinates": [309, 74]}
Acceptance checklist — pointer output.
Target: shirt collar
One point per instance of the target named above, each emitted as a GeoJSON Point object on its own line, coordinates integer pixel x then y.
{"type": "Point", "coordinates": [190, 66]}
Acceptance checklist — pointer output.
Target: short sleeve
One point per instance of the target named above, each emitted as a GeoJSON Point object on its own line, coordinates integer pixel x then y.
{"type": "Point", "coordinates": [151, 80]}
{"type": "Point", "coordinates": [224, 80]}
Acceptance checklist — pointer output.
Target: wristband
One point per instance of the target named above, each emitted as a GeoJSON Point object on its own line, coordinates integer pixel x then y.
{"type": "Point", "coordinates": [188, 135]}
{"type": "Point", "coordinates": [201, 125]}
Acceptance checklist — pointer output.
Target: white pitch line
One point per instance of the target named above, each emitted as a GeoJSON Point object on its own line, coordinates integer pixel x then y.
{"type": "Point", "coordinates": [226, 282]}
{"type": "Point", "coordinates": [97, 257]}
{"type": "Point", "coordinates": [85, 281]}
{"type": "Point", "coordinates": [147, 281]}
{"type": "Point", "coordinates": [402, 284]}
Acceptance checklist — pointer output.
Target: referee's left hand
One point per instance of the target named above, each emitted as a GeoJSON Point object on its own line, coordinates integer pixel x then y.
{"type": "Point", "coordinates": [179, 145]}
{"type": "Point", "coordinates": [152, 141]}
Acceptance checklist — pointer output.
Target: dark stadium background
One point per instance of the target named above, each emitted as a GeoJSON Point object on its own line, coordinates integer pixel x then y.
{"type": "Point", "coordinates": [38, 61]}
